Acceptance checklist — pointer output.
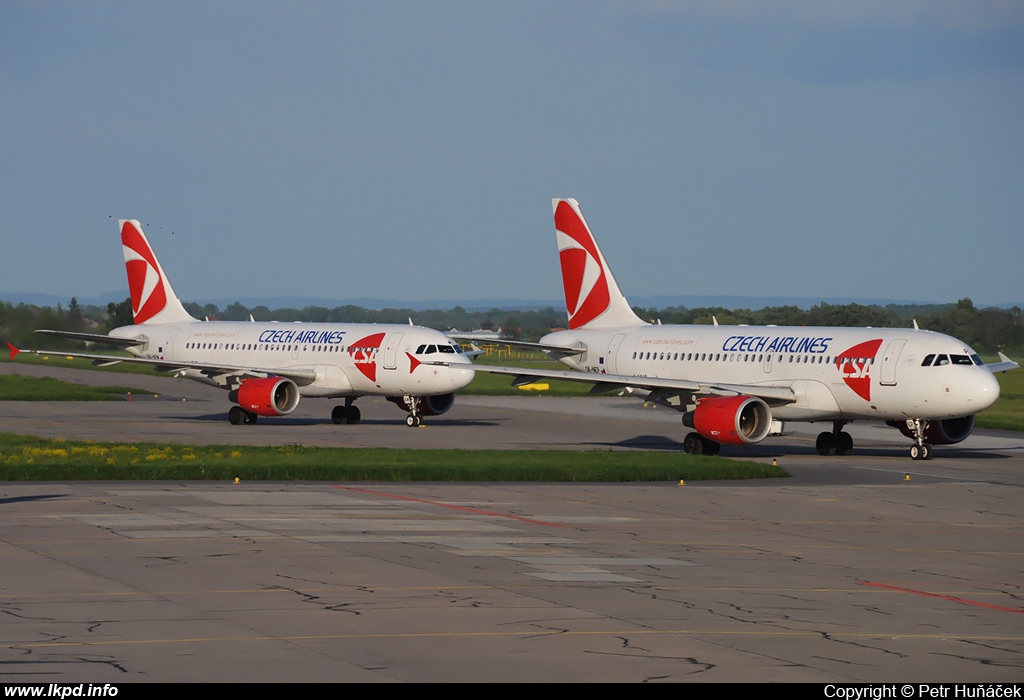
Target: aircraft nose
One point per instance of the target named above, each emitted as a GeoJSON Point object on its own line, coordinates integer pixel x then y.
{"type": "Point", "coordinates": [983, 390]}
{"type": "Point", "coordinates": [461, 373]}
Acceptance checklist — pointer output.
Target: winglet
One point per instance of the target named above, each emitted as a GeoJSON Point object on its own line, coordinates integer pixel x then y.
{"type": "Point", "coordinates": [14, 351]}
{"type": "Point", "coordinates": [1005, 364]}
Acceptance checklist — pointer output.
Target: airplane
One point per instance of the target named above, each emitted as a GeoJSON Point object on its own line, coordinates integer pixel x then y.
{"type": "Point", "coordinates": [268, 367]}
{"type": "Point", "coordinates": [735, 385]}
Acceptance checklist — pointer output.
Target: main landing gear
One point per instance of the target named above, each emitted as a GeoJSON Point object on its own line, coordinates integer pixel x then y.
{"type": "Point", "coordinates": [347, 414]}
{"type": "Point", "coordinates": [239, 416]}
{"type": "Point", "coordinates": [697, 444]}
{"type": "Point", "coordinates": [837, 442]}
{"type": "Point", "coordinates": [920, 449]}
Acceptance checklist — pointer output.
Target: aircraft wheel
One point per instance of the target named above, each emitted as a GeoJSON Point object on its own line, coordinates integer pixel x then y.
{"type": "Point", "coordinates": [413, 421]}
{"type": "Point", "coordinates": [353, 415]}
{"type": "Point", "coordinates": [711, 447]}
{"type": "Point", "coordinates": [236, 416]}
{"type": "Point", "coordinates": [926, 451]}
{"type": "Point", "coordinates": [250, 418]}
{"type": "Point", "coordinates": [825, 444]}
{"type": "Point", "coordinates": [915, 451]}
{"type": "Point", "coordinates": [844, 444]}
{"type": "Point", "coordinates": [693, 445]}
{"type": "Point", "coordinates": [339, 416]}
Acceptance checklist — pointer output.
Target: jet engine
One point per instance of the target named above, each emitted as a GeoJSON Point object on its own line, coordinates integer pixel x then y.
{"type": "Point", "coordinates": [940, 432]}
{"type": "Point", "coordinates": [424, 405]}
{"type": "Point", "coordinates": [731, 420]}
{"type": "Point", "coordinates": [272, 396]}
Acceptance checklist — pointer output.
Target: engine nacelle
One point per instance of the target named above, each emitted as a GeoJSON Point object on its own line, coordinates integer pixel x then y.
{"type": "Point", "coordinates": [940, 432]}
{"type": "Point", "coordinates": [731, 420]}
{"type": "Point", "coordinates": [424, 405]}
{"type": "Point", "coordinates": [272, 396]}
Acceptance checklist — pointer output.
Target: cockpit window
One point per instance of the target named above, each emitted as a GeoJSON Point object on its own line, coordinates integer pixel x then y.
{"type": "Point", "coordinates": [420, 349]}
{"type": "Point", "coordinates": [960, 360]}
{"type": "Point", "coordinates": [431, 349]}
{"type": "Point", "coordinates": [977, 359]}
{"type": "Point", "coordinates": [927, 362]}
{"type": "Point", "coordinates": [446, 348]}
{"type": "Point", "coordinates": [941, 360]}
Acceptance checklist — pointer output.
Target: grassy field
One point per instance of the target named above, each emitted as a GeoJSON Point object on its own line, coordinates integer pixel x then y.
{"type": "Point", "coordinates": [15, 387]}
{"type": "Point", "coordinates": [27, 458]}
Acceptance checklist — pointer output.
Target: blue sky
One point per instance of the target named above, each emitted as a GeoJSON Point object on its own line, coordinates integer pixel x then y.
{"type": "Point", "coordinates": [409, 150]}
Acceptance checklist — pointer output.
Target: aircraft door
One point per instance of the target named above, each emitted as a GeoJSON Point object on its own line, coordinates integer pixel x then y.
{"type": "Point", "coordinates": [613, 348]}
{"type": "Point", "coordinates": [889, 361]}
{"type": "Point", "coordinates": [768, 359]}
{"type": "Point", "coordinates": [167, 349]}
{"type": "Point", "coordinates": [391, 350]}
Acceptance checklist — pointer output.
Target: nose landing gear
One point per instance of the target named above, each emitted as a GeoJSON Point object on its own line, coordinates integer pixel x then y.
{"type": "Point", "coordinates": [920, 449]}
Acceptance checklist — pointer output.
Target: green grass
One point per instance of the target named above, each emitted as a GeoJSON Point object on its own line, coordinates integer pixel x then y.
{"type": "Point", "coordinates": [27, 458]}
{"type": "Point", "coordinates": [14, 387]}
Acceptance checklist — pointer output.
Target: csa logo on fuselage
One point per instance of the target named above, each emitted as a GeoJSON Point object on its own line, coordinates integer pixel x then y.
{"type": "Point", "coordinates": [364, 354]}
{"type": "Point", "coordinates": [855, 364]}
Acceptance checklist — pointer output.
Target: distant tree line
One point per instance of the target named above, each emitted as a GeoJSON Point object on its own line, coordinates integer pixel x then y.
{"type": "Point", "coordinates": [986, 330]}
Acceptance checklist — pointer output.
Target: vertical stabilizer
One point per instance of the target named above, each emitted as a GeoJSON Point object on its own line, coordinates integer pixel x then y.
{"type": "Point", "coordinates": [153, 299]}
{"type": "Point", "coordinates": [592, 296]}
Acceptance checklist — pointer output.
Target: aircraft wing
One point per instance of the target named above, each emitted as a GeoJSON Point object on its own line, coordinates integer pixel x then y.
{"type": "Point", "coordinates": [1005, 364]}
{"type": "Point", "coordinates": [566, 351]}
{"type": "Point", "coordinates": [222, 374]}
{"type": "Point", "coordinates": [94, 338]}
{"type": "Point", "coordinates": [773, 395]}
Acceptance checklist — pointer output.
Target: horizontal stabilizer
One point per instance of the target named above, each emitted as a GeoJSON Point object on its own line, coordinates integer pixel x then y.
{"type": "Point", "coordinates": [299, 375]}
{"type": "Point", "coordinates": [94, 338]}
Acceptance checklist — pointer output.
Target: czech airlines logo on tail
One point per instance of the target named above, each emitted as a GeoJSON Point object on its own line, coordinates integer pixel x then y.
{"type": "Point", "coordinates": [592, 297]}
{"type": "Point", "coordinates": [145, 283]}
{"type": "Point", "coordinates": [152, 296]}
{"type": "Point", "coordinates": [855, 364]}
{"type": "Point", "coordinates": [364, 354]}
{"type": "Point", "coordinates": [583, 273]}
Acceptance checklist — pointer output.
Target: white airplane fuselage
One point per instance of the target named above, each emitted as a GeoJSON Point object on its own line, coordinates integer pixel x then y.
{"type": "Point", "coordinates": [834, 373]}
{"type": "Point", "coordinates": [347, 359]}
